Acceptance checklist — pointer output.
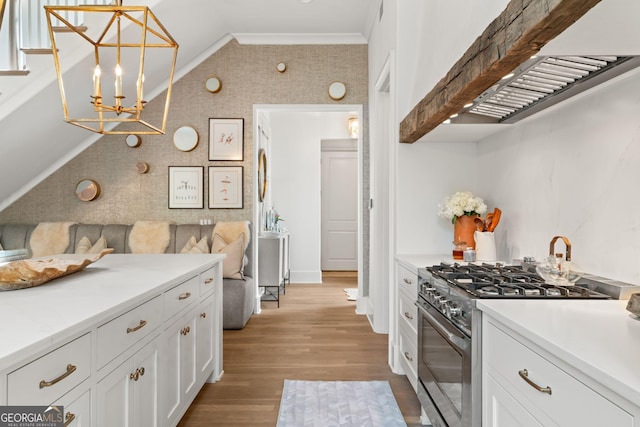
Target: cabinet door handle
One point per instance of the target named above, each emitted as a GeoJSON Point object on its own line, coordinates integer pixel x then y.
{"type": "Point", "coordinates": [407, 281]}
{"type": "Point", "coordinates": [185, 330]}
{"type": "Point", "coordinates": [68, 419]}
{"type": "Point", "coordinates": [203, 315]}
{"type": "Point", "coordinates": [70, 370]}
{"type": "Point", "coordinates": [408, 315]}
{"type": "Point", "coordinates": [524, 374]}
{"type": "Point", "coordinates": [184, 296]}
{"type": "Point", "coordinates": [137, 374]}
{"type": "Point", "coordinates": [140, 326]}
{"type": "Point", "coordinates": [208, 280]}
{"type": "Point", "coordinates": [408, 357]}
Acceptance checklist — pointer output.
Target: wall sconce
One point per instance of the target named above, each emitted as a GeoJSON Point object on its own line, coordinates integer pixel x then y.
{"type": "Point", "coordinates": [354, 127]}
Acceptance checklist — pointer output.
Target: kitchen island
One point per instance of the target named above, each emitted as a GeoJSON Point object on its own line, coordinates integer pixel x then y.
{"type": "Point", "coordinates": [127, 341]}
{"type": "Point", "coordinates": [585, 352]}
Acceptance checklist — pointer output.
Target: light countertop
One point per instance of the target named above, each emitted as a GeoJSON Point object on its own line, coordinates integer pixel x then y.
{"type": "Point", "coordinates": [35, 319]}
{"type": "Point", "coordinates": [599, 338]}
{"type": "Point", "coordinates": [415, 261]}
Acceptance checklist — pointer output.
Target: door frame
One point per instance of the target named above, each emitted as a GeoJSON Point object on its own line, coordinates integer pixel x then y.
{"type": "Point", "coordinates": [259, 109]}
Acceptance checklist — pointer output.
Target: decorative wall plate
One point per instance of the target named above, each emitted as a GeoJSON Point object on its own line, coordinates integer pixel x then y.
{"type": "Point", "coordinates": [87, 190]}
{"type": "Point", "coordinates": [337, 90]}
{"type": "Point", "coordinates": [133, 140]}
{"type": "Point", "coordinates": [213, 84]}
{"type": "Point", "coordinates": [185, 138]}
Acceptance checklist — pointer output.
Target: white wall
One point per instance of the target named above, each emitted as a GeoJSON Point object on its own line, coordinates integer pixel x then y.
{"type": "Point", "coordinates": [295, 182]}
{"type": "Point", "coordinates": [572, 170]}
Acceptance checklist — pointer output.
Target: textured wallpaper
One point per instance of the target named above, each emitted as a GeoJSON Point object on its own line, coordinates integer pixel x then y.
{"type": "Point", "coordinates": [249, 76]}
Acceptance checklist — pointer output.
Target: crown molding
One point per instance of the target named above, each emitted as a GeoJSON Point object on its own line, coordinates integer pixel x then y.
{"type": "Point", "coordinates": [300, 38]}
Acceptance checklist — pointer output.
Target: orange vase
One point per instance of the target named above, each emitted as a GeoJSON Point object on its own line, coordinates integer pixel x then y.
{"type": "Point", "coordinates": [463, 230]}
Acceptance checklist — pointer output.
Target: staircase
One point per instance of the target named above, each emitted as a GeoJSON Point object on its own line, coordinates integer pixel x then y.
{"type": "Point", "coordinates": [24, 31]}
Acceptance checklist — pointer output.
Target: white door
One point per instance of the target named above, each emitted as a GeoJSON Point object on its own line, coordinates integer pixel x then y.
{"type": "Point", "coordinates": [339, 232]}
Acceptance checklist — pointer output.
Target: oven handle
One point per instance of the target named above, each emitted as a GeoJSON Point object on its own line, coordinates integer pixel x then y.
{"type": "Point", "coordinates": [454, 336]}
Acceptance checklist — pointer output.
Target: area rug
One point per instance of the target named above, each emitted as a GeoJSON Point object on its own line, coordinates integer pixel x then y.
{"type": "Point", "coordinates": [352, 294]}
{"type": "Point", "coordinates": [338, 403]}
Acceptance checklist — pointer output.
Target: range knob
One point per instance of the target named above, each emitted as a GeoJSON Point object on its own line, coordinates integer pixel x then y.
{"type": "Point", "coordinates": [453, 310]}
{"type": "Point", "coordinates": [441, 302]}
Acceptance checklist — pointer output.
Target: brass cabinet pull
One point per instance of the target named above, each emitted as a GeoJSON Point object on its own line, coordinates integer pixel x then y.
{"type": "Point", "coordinates": [408, 357]}
{"type": "Point", "coordinates": [208, 280]}
{"type": "Point", "coordinates": [185, 330]}
{"type": "Point", "coordinates": [68, 419]}
{"type": "Point", "coordinates": [203, 315]}
{"type": "Point", "coordinates": [407, 281]}
{"type": "Point", "coordinates": [408, 315]}
{"type": "Point", "coordinates": [141, 325]}
{"type": "Point", "coordinates": [184, 296]}
{"type": "Point", "coordinates": [524, 374]}
{"type": "Point", "coordinates": [137, 374]}
{"type": "Point", "coordinates": [70, 370]}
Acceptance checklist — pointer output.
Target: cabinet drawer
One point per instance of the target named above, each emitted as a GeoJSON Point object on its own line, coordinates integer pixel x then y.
{"type": "Point", "coordinates": [77, 413]}
{"type": "Point", "coordinates": [408, 312]}
{"type": "Point", "coordinates": [46, 379]}
{"type": "Point", "coordinates": [408, 282]}
{"type": "Point", "coordinates": [208, 280]}
{"type": "Point", "coordinates": [122, 332]}
{"type": "Point", "coordinates": [181, 296]}
{"type": "Point", "coordinates": [506, 358]}
{"type": "Point", "coordinates": [408, 347]}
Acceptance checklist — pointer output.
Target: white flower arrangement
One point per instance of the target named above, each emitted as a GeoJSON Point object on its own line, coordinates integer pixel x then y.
{"type": "Point", "coordinates": [461, 203]}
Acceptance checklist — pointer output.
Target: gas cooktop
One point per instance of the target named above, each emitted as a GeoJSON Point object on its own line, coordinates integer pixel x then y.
{"type": "Point", "coordinates": [506, 281]}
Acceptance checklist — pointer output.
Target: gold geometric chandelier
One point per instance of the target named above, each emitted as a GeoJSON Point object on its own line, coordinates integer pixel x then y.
{"type": "Point", "coordinates": [113, 81]}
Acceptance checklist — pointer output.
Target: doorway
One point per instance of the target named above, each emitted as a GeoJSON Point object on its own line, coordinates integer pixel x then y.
{"type": "Point", "coordinates": [295, 182]}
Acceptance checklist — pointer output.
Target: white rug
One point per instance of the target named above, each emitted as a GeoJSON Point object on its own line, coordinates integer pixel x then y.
{"type": "Point", "coordinates": [338, 403]}
{"type": "Point", "coordinates": [352, 294]}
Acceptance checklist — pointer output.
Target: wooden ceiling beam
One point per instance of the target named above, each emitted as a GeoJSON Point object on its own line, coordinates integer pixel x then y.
{"type": "Point", "coordinates": [518, 33]}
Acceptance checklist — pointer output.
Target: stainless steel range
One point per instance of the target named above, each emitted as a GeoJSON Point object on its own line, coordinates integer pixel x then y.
{"type": "Point", "coordinates": [450, 337]}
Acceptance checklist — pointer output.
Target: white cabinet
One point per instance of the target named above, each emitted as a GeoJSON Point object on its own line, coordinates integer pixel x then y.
{"type": "Point", "coordinates": [516, 370]}
{"type": "Point", "coordinates": [187, 359]}
{"type": "Point", "coordinates": [145, 335]}
{"type": "Point", "coordinates": [128, 395]}
{"type": "Point", "coordinates": [273, 264]}
{"type": "Point", "coordinates": [407, 320]}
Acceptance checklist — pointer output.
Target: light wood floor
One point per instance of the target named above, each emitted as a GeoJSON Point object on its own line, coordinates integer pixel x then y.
{"type": "Point", "coordinates": [314, 335]}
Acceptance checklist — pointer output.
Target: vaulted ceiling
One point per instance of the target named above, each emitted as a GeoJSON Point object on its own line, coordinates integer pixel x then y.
{"type": "Point", "coordinates": [35, 141]}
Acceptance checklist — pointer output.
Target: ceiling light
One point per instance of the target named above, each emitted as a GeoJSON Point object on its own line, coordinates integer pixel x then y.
{"type": "Point", "coordinates": [453, 116]}
{"type": "Point", "coordinates": [468, 105]}
{"type": "Point", "coordinates": [115, 85]}
{"type": "Point", "coordinates": [508, 76]}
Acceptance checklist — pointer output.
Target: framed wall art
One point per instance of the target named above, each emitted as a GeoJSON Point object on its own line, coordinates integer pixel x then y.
{"type": "Point", "coordinates": [226, 139]}
{"type": "Point", "coordinates": [186, 187]}
{"type": "Point", "coordinates": [225, 187]}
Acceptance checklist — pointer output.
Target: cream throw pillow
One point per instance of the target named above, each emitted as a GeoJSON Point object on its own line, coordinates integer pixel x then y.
{"type": "Point", "coordinates": [233, 264]}
{"type": "Point", "coordinates": [194, 247]}
{"type": "Point", "coordinates": [85, 247]}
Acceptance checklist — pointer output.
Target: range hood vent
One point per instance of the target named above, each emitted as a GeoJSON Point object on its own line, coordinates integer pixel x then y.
{"type": "Point", "coordinates": [540, 83]}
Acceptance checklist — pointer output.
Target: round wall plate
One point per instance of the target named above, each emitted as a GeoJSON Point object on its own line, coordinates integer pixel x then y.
{"type": "Point", "coordinates": [133, 140]}
{"type": "Point", "coordinates": [213, 84]}
{"type": "Point", "coordinates": [185, 138]}
{"type": "Point", "coordinates": [281, 67]}
{"type": "Point", "coordinates": [87, 190]}
{"type": "Point", "coordinates": [337, 90]}
{"type": "Point", "coordinates": [142, 167]}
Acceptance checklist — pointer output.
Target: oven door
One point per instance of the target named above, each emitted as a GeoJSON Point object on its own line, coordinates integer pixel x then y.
{"type": "Point", "coordinates": [444, 369]}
